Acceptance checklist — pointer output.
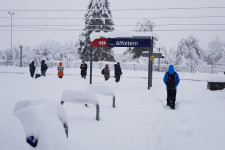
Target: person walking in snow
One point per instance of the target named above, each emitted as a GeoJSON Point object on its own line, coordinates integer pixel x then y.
{"type": "Point", "coordinates": [32, 69]}
{"type": "Point", "coordinates": [171, 80]}
{"type": "Point", "coordinates": [83, 68]}
{"type": "Point", "coordinates": [117, 72]}
{"type": "Point", "coordinates": [60, 70]}
{"type": "Point", "coordinates": [106, 72]}
{"type": "Point", "coordinates": [44, 68]}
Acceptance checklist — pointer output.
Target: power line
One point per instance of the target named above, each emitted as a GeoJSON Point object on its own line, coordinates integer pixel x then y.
{"type": "Point", "coordinates": [73, 25]}
{"type": "Point", "coordinates": [135, 9]}
{"type": "Point", "coordinates": [80, 18]}
{"type": "Point", "coordinates": [129, 30]}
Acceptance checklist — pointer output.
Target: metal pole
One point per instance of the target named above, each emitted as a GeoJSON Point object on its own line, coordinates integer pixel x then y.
{"type": "Point", "coordinates": [114, 102]}
{"type": "Point", "coordinates": [158, 63]}
{"type": "Point", "coordinates": [97, 112]}
{"type": "Point", "coordinates": [11, 32]}
{"type": "Point", "coordinates": [11, 13]}
{"type": "Point", "coordinates": [151, 65]}
{"type": "Point", "coordinates": [90, 65]}
{"type": "Point", "coordinates": [21, 56]}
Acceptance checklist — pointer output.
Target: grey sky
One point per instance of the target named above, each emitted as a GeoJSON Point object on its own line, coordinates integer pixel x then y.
{"type": "Point", "coordinates": [168, 39]}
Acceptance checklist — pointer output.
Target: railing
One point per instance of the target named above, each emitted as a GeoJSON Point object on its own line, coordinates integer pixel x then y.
{"type": "Point", "coordinates": [125, 66]}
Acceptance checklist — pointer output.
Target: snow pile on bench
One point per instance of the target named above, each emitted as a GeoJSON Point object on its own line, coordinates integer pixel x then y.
{"type": "Point", "coordinates": [54, 106]}
{"type": "Point", "coordinates": [216, 78]}
{"type": "Point", "coordinates": [84, 97]}
{"type": "Point", "coordinates": [12, 136]}
{"type": "Point", "coordinates": [44, 120]}
{"type": "Point", "coordinates": [101, 89]}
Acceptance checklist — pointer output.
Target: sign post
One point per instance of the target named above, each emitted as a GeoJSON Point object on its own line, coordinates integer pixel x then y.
{"type": "Point", "coordinates": [91, 65]}
{"type": "Point", "coordinates": [21, 55]}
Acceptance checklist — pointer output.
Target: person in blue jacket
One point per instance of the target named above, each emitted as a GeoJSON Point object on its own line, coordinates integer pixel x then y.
{"type": "Point", "coordinates": [171, 80]}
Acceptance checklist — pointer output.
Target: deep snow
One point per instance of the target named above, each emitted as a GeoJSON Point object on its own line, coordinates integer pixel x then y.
{"type": "Point", "coordinates": [139, 122]}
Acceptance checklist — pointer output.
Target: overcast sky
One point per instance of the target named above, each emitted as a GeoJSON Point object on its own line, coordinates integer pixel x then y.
{"type": "Point", "coordinates": [168, 39]}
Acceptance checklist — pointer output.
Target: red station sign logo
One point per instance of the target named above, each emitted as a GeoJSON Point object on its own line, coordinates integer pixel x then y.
{"type": "Point", "coordinates": [102, 42]}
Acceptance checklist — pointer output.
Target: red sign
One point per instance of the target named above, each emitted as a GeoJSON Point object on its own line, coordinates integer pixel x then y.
{"type": "Point", "coordinates": [102, 42]}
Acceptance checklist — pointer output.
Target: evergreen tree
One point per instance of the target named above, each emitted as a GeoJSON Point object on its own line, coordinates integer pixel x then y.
{"type": "Point", "coordinates": [98, 18]}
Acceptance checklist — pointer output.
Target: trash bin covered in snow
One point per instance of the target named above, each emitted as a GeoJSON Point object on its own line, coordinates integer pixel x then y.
{"type": "Point", "coordinates": [43, 122]}
{"type": "Point", "coordinates": [216, 82]}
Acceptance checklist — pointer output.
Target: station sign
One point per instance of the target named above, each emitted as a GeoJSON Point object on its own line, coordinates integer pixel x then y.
{"type": "Point", "coordinates": [121, 42]}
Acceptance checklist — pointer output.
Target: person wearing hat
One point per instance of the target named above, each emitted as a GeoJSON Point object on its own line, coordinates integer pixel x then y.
{"type": "Point", "coordinates": [60, 70]}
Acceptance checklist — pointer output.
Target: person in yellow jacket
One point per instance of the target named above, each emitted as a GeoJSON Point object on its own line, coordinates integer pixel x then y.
{"type": "Point", "coordinates": [60, 70]}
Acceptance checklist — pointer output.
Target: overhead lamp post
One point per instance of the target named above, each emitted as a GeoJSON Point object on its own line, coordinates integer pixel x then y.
{"type": "Point", "coordinates": [11, 13]}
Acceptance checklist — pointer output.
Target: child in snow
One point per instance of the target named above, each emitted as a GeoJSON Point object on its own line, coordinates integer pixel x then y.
{"type": "Point", "coordinates": [106, 72]}
{"type": "Point", "coordinates": [171, 80]}
{"type": "Point", "coordinates": [60, 70]}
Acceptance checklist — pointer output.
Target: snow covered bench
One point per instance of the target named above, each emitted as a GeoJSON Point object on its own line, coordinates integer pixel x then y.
{"type": "Point", "coordinates": [44, 122]}
{"type": "Point", "coordinates": [103, 90]}
{"type": "Point", "coordinates": [83, 97]}
{"type": "Point", "coordinates": [12, 135]}
{"type": "Point", "coordinates": [216, 82]}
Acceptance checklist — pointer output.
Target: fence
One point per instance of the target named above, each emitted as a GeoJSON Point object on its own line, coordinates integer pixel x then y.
{"type": "Point", "coordinates": [125, 66]}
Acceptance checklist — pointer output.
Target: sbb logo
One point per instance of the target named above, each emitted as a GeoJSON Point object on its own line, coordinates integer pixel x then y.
{"type": "Point", "coordinates": [102, 42]}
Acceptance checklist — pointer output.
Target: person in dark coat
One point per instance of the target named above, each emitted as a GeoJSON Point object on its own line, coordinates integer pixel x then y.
{"type": "Point", "coordinates": [118, 71]}
{"type": "Point", "coordinates": [44, 68]}
{"type": "Point", "coordinates": [83, 71]}
{"type": "Point", "coordinates": [32, 69]}
{"type": "Point", "coordinates": [106, 72]}
{"type": "Point", "coordinates": [171, 80]}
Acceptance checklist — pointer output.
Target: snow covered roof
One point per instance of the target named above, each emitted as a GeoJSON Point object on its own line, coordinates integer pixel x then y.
{"type": "Point", "coordinates": [120, 34]}
{"type": "Point", "coordinates": [84, 97]}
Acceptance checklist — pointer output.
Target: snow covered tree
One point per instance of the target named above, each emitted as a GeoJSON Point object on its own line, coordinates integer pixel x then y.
{"type": "Point", "coordinates": [145, 25]}
{"type": "Point", "coordinates": [69, 51]}
{"type": "Point", "coordinates": [189, 54]}
{"type": "Point", "coordinates": [215, 53]}
{"type": "Point", "coordinates": [98, 18]}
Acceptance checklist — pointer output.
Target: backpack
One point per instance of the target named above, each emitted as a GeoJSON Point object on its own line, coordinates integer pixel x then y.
{"type": "Point", "coordinates": [103, 71]}
{"type": "Point", "coordinates": [61, 68]}
{"type": "Point", "coordinates": [171, 82]}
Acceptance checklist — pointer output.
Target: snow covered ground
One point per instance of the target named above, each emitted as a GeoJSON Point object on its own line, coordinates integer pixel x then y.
{"type": "Point", "coordinates": [140, 121]}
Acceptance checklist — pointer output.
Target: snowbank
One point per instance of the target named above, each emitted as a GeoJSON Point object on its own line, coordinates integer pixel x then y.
{"type": "Point", "coordinates": [12, 136]}
{"type": "Point", "coordinates": [216, 78]}
{"type": "Point", "coordinates": [84, 97]}
{"type": "Point", "coordinates": [101, 89]}
{"type": "Point", "coordinates": [44, 120]}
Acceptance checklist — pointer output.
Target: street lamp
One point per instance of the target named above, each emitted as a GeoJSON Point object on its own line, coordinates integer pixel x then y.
{"type": "Point", "coordinates": [11, 13]}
